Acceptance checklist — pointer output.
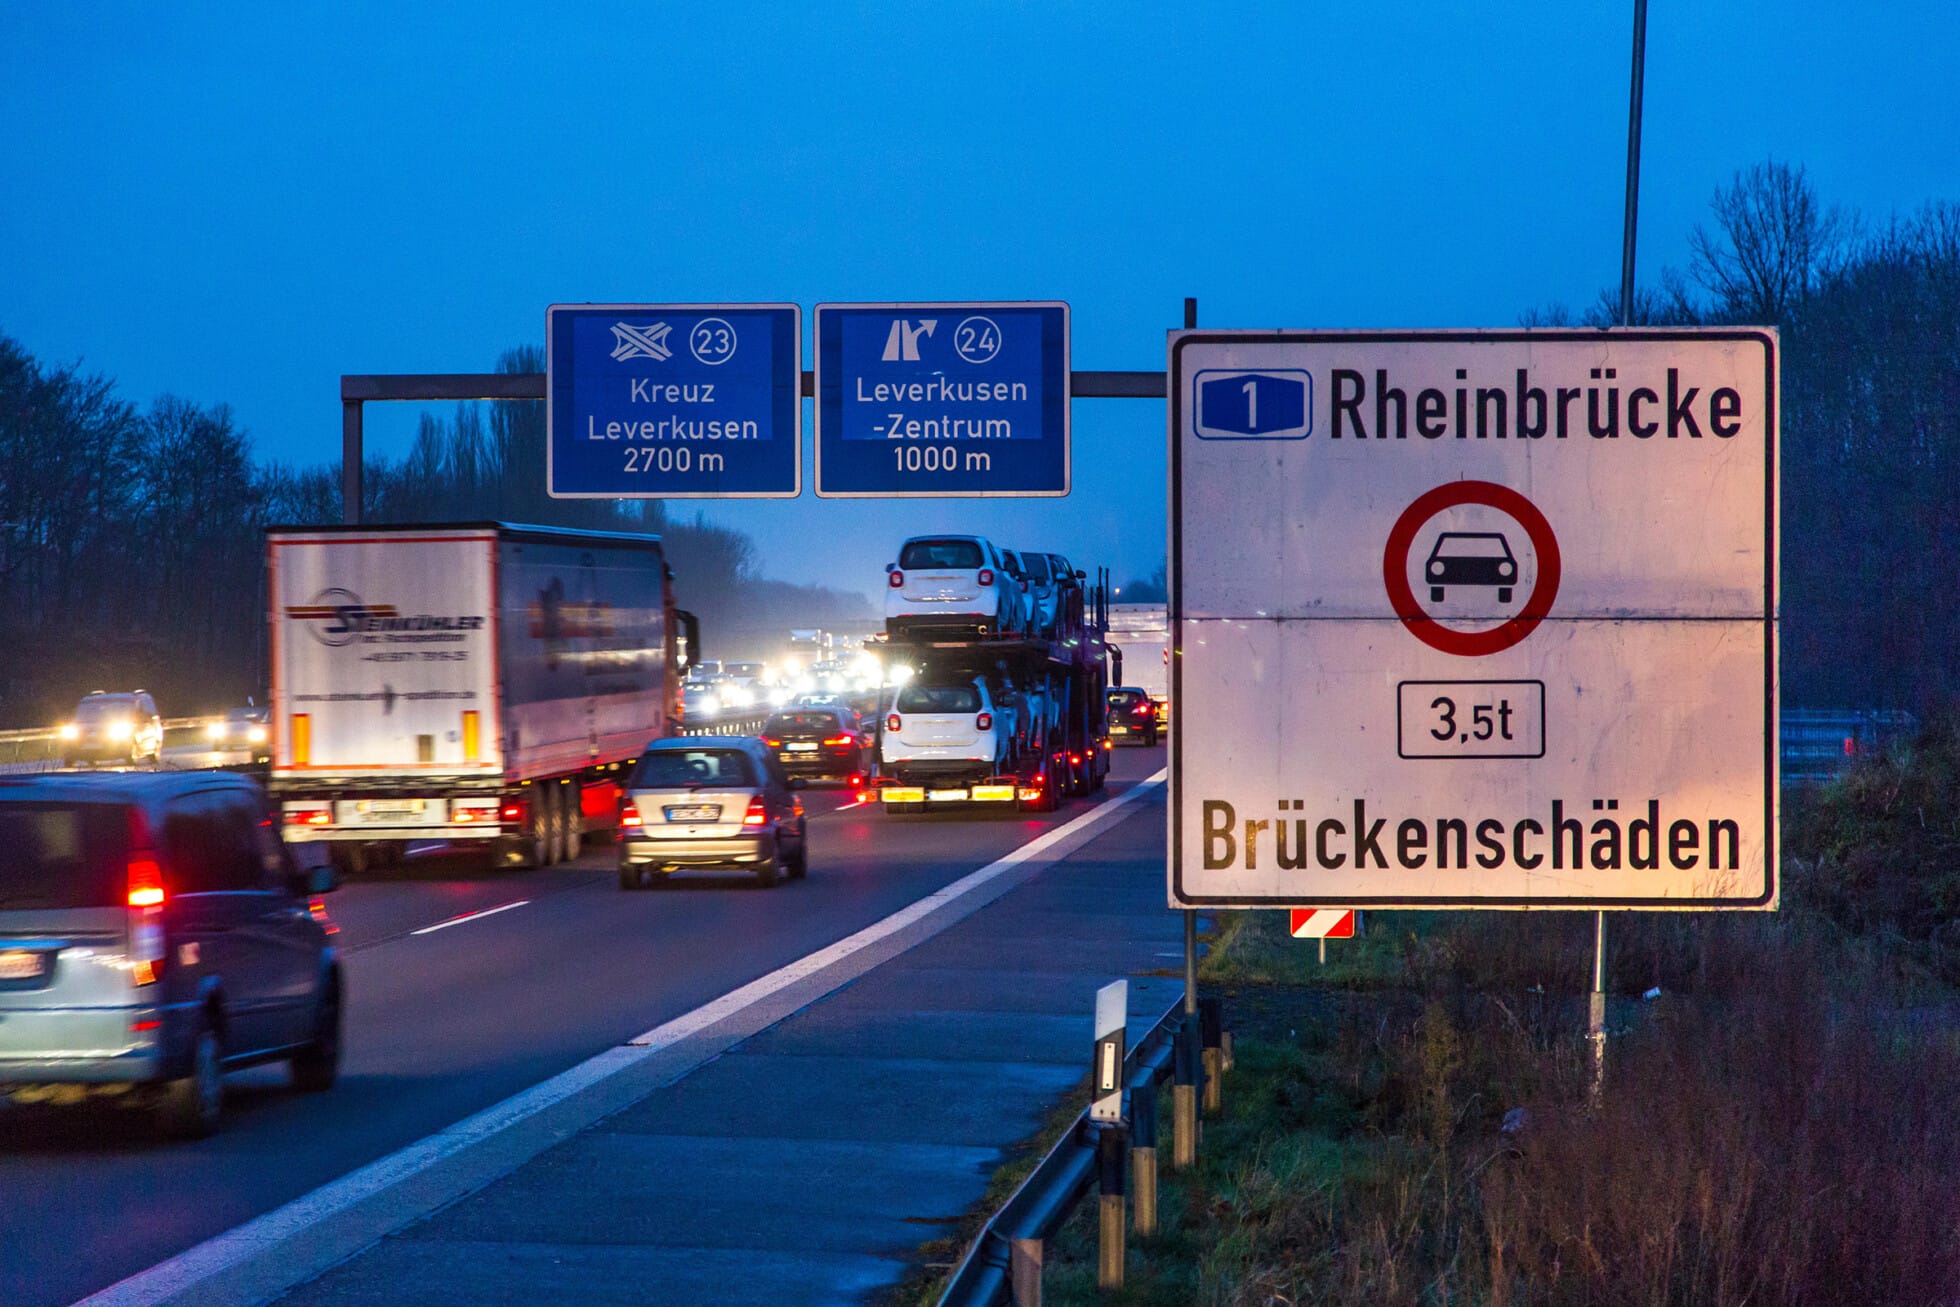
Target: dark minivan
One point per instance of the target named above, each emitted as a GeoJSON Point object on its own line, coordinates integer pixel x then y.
{"type": "Point", "coordinates": [156, 931]}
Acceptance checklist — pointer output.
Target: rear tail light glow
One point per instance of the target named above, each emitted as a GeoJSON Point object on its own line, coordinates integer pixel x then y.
{"type": "Point", "coordinates": [855, 780]}
{"type": "Point", "coordinates": [309, 816]}
{"type": "Point", "coordinates": [986, 576]}
{"type": "Point", "coordinates": [892, 723]}
{"type": "Point", "coordinates": [772, 742]}
{"type": "Point", "coordinates": [984, 722]}
{"type": "Point", "coordinates": [631, 818]}
{"type": "Point", "coordinates": [757, 815]}
{"type": "Point", "coordinates": [839, 739]}
{"type": "Point", "coordinates": [144, 880]}
{"type": "Point", "coordinates": [897, 580]}
{"type": "Point", "coordinates": [512, 811]}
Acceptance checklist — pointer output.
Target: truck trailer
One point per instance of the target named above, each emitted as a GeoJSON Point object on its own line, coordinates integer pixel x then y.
{"type": "Point", "coordinates": [482, 684]}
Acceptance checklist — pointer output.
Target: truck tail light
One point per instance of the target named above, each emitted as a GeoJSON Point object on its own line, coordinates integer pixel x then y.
{"type": "Point", "coordinates": [986, 576]}
{"type": "Point", "coordinates": [892, 723]}
{"type": "Point", "coordinates": [512, 812]}
{"type": "Point", "coordinates": [984, 722]}
{"type": "Point", "coordinates": [897, 580]}
{"type": "Point", "coordinates": [309, 816]}
{"type": "Point", "coordinates": [757, 815]}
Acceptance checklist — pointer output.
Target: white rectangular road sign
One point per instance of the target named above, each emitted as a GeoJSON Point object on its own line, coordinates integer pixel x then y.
{"type": "Point", "coordinates": [1474, 619]}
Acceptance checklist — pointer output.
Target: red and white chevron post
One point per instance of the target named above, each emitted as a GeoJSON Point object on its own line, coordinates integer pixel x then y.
{"type": "Point", "coordinates": [1321, 923]}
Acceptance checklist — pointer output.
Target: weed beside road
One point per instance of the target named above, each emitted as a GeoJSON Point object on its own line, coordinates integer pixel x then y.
{"type": "Point", "coordinates": [1416, 1122]}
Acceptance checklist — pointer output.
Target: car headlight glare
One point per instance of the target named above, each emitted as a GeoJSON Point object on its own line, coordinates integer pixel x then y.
{"type": "Point", "coordinates": [70, 731]}
{"type": "Point", "coordinates": [121, 729]}
{"type": "Point", "coordinates": [256, 735]}
{"type": "Point", "coordinates": [216, 730]}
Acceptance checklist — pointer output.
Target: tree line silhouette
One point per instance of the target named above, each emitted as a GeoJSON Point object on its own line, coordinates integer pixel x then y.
{"type": "Point", "coordinates": [130, 550]}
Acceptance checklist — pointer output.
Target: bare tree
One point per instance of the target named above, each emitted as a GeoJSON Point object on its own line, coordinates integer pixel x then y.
{"type": "Point", "coordinates": [1770, 246]}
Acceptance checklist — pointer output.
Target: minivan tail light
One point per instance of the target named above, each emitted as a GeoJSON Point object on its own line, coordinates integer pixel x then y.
{"type": "Point", "coordinates": [984, 722]}
{"type": "Point", "coordinates": [897, 580]}
{"type": "Point", "coordinates": [143, 879]}
{"type": "Point", "coordinates": [986, 576]}
{"type": "Point", "coordinates": [757, 815]}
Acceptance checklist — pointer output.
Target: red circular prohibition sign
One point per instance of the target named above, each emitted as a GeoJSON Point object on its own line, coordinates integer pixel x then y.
{"type": "Point", "coordinates": [1395, 568]}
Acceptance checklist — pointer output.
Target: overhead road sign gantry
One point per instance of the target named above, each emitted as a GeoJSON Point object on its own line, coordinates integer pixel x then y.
{"type": "Point", "coordinates": [1474, 618]}
{"type": "Point", "coordinates": [942, 400]}
{"type": "Point", "coordinates": [674, 401]}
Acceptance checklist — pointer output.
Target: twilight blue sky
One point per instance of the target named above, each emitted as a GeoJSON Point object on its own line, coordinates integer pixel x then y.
{"type": "Point", "coordinates": [241, 202]}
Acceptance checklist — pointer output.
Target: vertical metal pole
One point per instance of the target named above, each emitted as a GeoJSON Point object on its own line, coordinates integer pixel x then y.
{"type": "Point", "coordinates": [1184, 1090]}
{"type": "Point", "coordinates": [1111, 1148]}
{"type": "Point", "coordinates": [1143, 1153]}
{"type": "Point", "coordinates": [1633, 161]}
{"type": "Point", "coordinates": [1024, 1258]}
{"type": "Point", "coordinates": [1596, 1005]}
{"type": "Point", "coordinates": [350, 462]}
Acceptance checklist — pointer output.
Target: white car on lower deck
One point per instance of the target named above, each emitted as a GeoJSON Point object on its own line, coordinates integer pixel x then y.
{"type": "Point", "coordinates": [945, 733]}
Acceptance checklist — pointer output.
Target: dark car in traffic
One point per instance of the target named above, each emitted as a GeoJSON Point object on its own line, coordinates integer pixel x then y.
{"type": "Point", "coordinates": [1132, 715]}
{"type": "Point", "coordinates": [821, 743]}
{"type": "Point", "coordinates": [156, 931]}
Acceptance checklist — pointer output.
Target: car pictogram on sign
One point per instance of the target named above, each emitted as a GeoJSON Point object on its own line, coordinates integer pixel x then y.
{"type": "Point", "coordinates": [1471, 558]}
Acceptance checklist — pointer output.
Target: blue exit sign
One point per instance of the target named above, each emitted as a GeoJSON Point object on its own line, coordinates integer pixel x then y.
{"type": "Point", "coordinates": [942, 400]}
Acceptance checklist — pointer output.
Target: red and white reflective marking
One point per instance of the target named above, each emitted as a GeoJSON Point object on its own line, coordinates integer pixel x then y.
{"type": "Point", "coordinates": [1321, 923]}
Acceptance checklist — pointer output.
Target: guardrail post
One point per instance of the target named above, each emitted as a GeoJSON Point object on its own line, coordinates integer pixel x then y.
{"type": "Point", "coordinates": [1211, 1026]}
{"type": "Point", "coordinates": [1110, 1147]}
{"type": "Point", "coordinates": [1184, 1096]}
{"type": "Point", "coordinates": [1143, 1153]}
{"type": "Point", "coordinates": [1024, 1272]}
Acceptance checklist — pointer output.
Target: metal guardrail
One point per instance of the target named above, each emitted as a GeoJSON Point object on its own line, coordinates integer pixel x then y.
{"type": "Point", "coordinates": [1819, 745]}
{"type": "Point", "coordinates": [1044, 1200]}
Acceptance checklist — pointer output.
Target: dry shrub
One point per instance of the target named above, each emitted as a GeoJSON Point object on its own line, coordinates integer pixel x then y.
{"type": "Point", "coordinates": [1775, 1148]}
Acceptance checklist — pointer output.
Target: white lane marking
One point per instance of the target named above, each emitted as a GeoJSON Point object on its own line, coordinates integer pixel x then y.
{"type": "Point", "coordinates": [848, 804]}
{"type": "Point", "coordinates": [478, 915]}
{"type": "Point", "coordinates": [261, 1235]}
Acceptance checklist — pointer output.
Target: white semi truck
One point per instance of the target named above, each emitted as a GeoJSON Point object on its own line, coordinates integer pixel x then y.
{"type": "Point", "coordinates": [482, 683]}
{"type": "Point", "coordinates": [1140, 634]}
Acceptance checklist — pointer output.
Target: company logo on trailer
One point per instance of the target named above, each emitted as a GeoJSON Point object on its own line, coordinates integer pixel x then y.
{"type": "Point", "coordinates": [337, 617]}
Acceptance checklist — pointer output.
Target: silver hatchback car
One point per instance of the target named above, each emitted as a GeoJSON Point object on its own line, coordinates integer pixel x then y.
{"type": "Point", "coordinates": [715, 801]}
{"type": "Point", "coordinates": [155, 932]}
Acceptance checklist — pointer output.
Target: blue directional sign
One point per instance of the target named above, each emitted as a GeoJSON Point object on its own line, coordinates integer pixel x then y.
{"type": "Point", "coordinates": [674, 401]}
{"type": "Point", "coordinates": [937, 400]}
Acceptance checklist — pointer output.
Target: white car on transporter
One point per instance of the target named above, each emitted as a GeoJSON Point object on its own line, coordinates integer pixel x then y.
{"type": "Point", "coordinates": [942, 738]}
{"type": "Point", "coordinates": [951, 587]}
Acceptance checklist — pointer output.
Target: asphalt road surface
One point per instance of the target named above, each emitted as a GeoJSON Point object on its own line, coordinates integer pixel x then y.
{"type": "Point", "coordinates": [443, 1023]}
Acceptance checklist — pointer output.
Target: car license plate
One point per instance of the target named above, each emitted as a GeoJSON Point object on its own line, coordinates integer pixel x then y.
{"type": "Point", "coordinates": [694, 812]}
{"type": "Point", "coordinates": [393, 807]}
{"type": "Point", "coordinates": [1119, 730]}
{"type": "Point", "coordinates": [803, 748]}
{"type": "Point", "coordinates": [19, 964]}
